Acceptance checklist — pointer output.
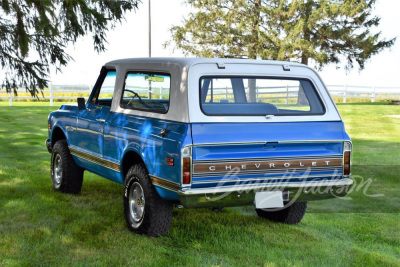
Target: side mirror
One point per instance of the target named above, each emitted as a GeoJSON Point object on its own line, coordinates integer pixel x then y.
{"type": "Point", "coordinates": [81, 103]}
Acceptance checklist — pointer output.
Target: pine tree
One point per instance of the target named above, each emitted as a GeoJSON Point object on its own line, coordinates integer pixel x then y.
{"type": "Point", "coordinates": [327, 31]}
{"type": "Point", "coordinates": [35, 33]}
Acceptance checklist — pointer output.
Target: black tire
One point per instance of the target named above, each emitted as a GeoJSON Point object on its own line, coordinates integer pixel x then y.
{"type": "Point", "coordinates": [66, 176]}
{"type": "Point", "coordinates": [290, 215]}
{"type": "Point", "coordinates": [153, 218]}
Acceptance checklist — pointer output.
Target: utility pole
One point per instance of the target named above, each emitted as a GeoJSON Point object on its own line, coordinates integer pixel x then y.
{"type": "Point", "coordinates": [149, 44]}
{"type": "Point", "coordinates": [149, 28]}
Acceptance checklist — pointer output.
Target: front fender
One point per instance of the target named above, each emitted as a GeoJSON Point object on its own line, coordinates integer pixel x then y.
{"type": "Point", "coordinates": [58, 126]}
{"type": "Point", "coordinates": [64, 120]}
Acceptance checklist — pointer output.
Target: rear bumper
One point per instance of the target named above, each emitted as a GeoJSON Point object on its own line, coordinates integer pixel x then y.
{"type": "Point", "coordinates": [48, 145]}
{"type": "Point", "coordinates": [239, 195]}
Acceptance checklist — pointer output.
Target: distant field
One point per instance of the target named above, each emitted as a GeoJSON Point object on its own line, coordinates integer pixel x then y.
{"type": "Point", "coordinates": [26, 97]}
{"type": "Point", "coordinates": [280, 97]}
{"type": "Point", "coordinates": [39, 226]}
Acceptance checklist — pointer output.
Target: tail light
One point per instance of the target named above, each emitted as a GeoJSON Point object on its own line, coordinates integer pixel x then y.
{"type": "Point", "coordinates": [186, 166]}
{"type": "Point", "coordinates": [346, 158]}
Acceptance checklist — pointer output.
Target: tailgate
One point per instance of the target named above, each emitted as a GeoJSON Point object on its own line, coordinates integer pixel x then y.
{"type": "Point", "coordinates": [231, 153]}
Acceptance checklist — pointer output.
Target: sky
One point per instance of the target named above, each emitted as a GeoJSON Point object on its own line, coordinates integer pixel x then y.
{"type": "Point", "coordinates": [130, 39]}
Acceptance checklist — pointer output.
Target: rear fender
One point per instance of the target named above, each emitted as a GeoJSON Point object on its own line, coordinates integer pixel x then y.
{"type": "Point", "coordinates": [134, 150]}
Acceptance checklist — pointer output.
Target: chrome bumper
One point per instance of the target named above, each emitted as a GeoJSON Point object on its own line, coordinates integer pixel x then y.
{"type": "Point", "coordinates": [238, 195]}
{"type": "Point", "coordinates": [48, 145]}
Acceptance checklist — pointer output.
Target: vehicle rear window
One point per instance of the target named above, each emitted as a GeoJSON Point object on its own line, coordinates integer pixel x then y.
{"type": "Point", "coordinates": [146, 91]}
{"type": "Point", "coordinates": [250, 96]}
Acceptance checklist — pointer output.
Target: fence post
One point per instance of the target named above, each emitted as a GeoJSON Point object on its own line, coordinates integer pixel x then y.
{"type": "Point", "coordinates": [373, 95]}
{"type": "Point", "coordinates": [11, 98]}
{"type": "Point", "coordinates": [345, 94]}
{"type": "Point", "coordinates": [287, 94]}
{"type": "Point", "coordinates": [51, 95]}
{"type": "Point", "coordinates": [226, 92]}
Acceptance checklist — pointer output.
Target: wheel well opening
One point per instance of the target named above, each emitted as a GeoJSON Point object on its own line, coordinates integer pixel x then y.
{"type": "Point", "coordinates": [130, 158]}
{"type": "Point", "coordinates": [57, 135]}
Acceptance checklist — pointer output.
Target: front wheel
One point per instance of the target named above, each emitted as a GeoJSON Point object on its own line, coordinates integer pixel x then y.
{"type": "Point", "coordinates": [145, 211]}
{"type": "Point", "coordinates": [66, 176]}
{"type": "Point", "coordinates": [289, 215]}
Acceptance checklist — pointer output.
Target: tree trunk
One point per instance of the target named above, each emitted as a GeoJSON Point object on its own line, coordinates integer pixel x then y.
{"type": "Point", "coordinates": [304, 58]}
{"type": "Point", "coordinates": [302, 99]}
{"type": "Point", "coordinates": [253, 48]}
{"type": "Point", "coordinates": [252, 90]}
{"type": "Point", "coordinates": [306, 31]}
{"type": "Point", "coordinates": [254, 30]}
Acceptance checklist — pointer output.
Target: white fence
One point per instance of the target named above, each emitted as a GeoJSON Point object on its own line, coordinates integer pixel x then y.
{"type": "Point", "coordinates": [69, 92]}
{"type": "Point", "coordinates": [375, 93]}
{"type": "Point", "coordinates": [54, 92]}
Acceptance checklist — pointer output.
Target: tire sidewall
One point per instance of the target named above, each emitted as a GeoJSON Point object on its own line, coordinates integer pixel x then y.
{"type": "Point", "coordinates": [157, 213]}
{"type": "Point", "coordinates": [127, 187]}
{"type": "Point", "coordinates": [71, 174]}
{"type": "Point", "coordinates": [53, 157]}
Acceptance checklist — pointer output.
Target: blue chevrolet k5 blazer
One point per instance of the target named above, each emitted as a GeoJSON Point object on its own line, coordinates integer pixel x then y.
{"type": "Point", "coordinates": [195, 132]}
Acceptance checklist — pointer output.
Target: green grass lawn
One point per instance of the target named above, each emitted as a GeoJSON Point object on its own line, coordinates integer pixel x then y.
{"type": "Point", "coordinates": [39, 226]}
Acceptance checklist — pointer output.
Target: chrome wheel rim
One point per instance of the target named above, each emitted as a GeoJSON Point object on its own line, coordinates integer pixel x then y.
{"type": "Point", "coordinates": [57, 170]}
{"type": "Point", "coordinates": [136, 204]}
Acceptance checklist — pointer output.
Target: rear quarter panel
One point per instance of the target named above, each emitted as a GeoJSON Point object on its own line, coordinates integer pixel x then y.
{"type": "Point", "coordinates": [124, 133]}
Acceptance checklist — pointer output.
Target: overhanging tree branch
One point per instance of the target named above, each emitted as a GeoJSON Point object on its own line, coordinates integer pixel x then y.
{"type": "Point", "coordinates": [41, 29]}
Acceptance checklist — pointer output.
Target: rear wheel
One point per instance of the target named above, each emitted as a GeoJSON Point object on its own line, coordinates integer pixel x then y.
{"type": "Point", "coordinates": [66, 176]}
{"type": "Point", "coordinates": [289, 215]}
{"type": "Point", "coordinates": [145, 211]}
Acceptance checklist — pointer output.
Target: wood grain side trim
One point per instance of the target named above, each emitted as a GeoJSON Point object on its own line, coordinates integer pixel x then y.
{"type": "Point", "coordinates": [165, 183]}
{"type": "Point", "coordinates": [97, 160]}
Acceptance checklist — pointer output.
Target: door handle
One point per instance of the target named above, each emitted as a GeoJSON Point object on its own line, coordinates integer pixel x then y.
{"type": "Point", "coordinates": [101, 120]}
{"type": "Point", "coordinates": [163, 132]}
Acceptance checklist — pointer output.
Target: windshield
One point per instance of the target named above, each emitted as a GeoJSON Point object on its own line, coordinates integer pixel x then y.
{"type": "Point", "coordinates": [249, 96]}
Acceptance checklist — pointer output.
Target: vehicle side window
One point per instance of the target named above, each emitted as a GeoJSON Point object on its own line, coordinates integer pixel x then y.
{"type": "Point", "coordinates": [105, 89]}
{"type": "Point", "coordinates": [146, 91]}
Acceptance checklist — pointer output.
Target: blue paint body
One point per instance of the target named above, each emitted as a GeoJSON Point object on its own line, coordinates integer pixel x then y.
{"type": "Point", "coordinates": [264, 137]}
{"type": "Point", "coordinates": [121, 134]}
